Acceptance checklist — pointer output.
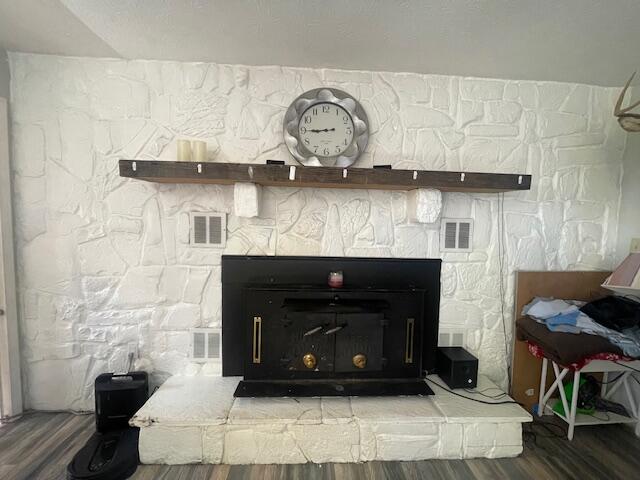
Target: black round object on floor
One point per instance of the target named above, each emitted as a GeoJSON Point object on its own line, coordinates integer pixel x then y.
{"type": "Point", "coordinates": [106, 456]}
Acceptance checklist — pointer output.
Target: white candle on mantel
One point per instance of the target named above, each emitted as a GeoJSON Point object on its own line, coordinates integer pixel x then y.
{"type": "Point", "coordinates": [184, 151]}
{"type": "Point", "coordinates": [199, 149]}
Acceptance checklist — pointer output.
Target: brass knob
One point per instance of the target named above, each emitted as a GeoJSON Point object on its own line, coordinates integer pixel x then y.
{"type": "Point", "coordinates": [359, 360]}
{"type": "Point", "coordinates": [309, 361]}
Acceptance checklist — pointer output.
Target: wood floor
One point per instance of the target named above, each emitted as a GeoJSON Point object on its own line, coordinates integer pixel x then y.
{"type": "Point", "coordinates": [39, 445]}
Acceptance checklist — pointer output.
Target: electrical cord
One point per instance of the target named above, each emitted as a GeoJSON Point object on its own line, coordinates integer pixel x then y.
{"type": "Point", "coordinates": [481, 393]}
{"type": "Point", "coordinates": [626, 366]}
{"type": "Point", "coordinates": [630, 368]}
{"type": "Point", "coordinates": [501, 255]}
{"type": "Point", "coordinates": [508, 402]}
{"type": "Point", "coordinates": [609, 381]}
{"type": "Point", "coordinates": [529, 432]}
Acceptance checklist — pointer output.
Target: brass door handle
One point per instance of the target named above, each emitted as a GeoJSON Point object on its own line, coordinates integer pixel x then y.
{"type": "Point", "coordinates": [257, 339]}
{"type": "Point", "coordinates": [408, 351]}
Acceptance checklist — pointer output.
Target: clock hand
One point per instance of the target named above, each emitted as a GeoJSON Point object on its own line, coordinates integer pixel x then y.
{"type": "Point", "coordinates": [322, 130]}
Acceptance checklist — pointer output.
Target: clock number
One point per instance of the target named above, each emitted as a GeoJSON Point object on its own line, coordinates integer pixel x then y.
{"type": "Point", "coordinates": [348, 131]}
{"type": "Point", "coordinates": [338, 148]}
{"type": "Point", "coordinates": [315, 149]}
{"type": "Point", "coordinates": [314, 111]}
{"type": "Point", "coordinates": [345, 119]}
{"type": "Point", "coordinates": [345, 141]}
{"type": "Point", "coordinates": [307, 119]}
{"type": "Point", "coordinates": [326, 151]}
{"type": "Point", "coordinates": [325, 109]}
{"type": "Point", "coordinates": [306, 141]}
{"type": "Point", "coordinates": [303, 130]}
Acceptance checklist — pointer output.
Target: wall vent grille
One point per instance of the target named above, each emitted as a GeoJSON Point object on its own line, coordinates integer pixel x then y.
{"type": "Point", "coordinates": [208, 229]}
{"type": "Point", "coordinates": [456, 235]}
{"type": "Point", "coordinates": [206, 344]}
{"type": "Point", "coordinates": [451, 337]}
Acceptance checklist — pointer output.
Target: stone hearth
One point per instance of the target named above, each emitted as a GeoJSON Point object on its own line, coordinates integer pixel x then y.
{"type": "Point", "coordinates": [195, 419]}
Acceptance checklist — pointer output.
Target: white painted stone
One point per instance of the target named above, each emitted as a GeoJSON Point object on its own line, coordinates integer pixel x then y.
{"type": "Point", "coordinates": [424, 205]}
{"type": "Point", "coordinates": [582, 156]}
{"type": "Point", "coordinates": [77, 143]}
{"type": "Point", "coordinates": [396, 410]}
{"type": "Point", "coordinates": [132, 109]}
{"type": "Point", "coordinates": [504, 112]}
{"type": "Point", "coordinates": [555, 124]}
{"type": "Point", "coordinates": [576, 210]}
{"type": "Point", "coordinates": [29, 144]}
{"type": "Point", "coordinates": [393, 442]}
{"type": "Point", "coordinates": [184, 422]}
{"type": "Point", "coordinates": [138, 288]}
{"type": "Point", "coordinates": [118, 223]}
{"type": "Point", "coordinates": [170, 445]}
{"type": "Point", "coordinates": [188, 401]}
{"type": "Point", "coordinates": [336, 410]}
{"type": "Point", "coordinates": [601, 183]}
{"type": "Point", "coordinates": [418, 116]}
{"type": "Point", "coordinates": [552, 94]}
{"type": "Point", "coordinates": [261, 444]}
{"type": "Point", "coordinates": [115, 317]}
{"type": "Point", "coordinates": [492, 130]}
{"type": "Point", "coordinates": [577, 101]}
{"type": "Point", "coordinates": [328, 443]}
{"type": "Point", "coordinates": [474, 89]}
{"type": "Point", "coordinates": [98, 257]}
{"type": "Point", "coordinates": [275, 411]}
{"type": "Point", "coordinates": [246, 199]}
{"type": "Point", "coordinates": [182, 316]}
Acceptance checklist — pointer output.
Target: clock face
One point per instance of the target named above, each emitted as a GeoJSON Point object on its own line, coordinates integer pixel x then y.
{"type": "Point", "coordinates": [326, 129]}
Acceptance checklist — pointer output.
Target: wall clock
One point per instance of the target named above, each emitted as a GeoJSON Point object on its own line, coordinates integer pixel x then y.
{"type": "Point", "coordinates": [326, 127]}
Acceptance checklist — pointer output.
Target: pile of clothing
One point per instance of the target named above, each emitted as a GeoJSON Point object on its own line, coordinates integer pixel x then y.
{"type": "Point", "coordinates": [616, 319]}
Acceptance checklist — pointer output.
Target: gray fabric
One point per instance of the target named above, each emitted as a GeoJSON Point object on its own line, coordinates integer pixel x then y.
{"type": "Point", "coordinates": [551, 312]}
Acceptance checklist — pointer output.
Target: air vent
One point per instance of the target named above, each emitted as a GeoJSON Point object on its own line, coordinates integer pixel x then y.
{"type": "Point", "coordinates": [451, 338]}
{"type": "Point", "coordinates": [206, 344]}
{"type": "Point", "coordinates": [456, 235]}
{"type": "Point", "coordinates": [208, 229]}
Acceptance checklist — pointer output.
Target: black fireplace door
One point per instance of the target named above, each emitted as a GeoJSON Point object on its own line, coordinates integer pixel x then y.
{"type": "Point", "coordinates": [359, 342]}
{"type": "Point", "coordinates": [301, 344]}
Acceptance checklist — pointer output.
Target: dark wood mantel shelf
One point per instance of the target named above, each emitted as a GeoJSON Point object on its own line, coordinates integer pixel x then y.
{"type": "Point", "coordinates": [320, 177]}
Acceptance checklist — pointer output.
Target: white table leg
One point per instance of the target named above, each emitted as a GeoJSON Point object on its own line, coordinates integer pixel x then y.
{"type": "Point", "coordinates": [543, 385]}
{"type": "Point", "coordinates": [574, 404]}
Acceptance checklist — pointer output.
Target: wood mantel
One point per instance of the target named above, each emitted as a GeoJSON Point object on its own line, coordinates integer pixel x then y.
{"type": "Point", "coordinates": [299, 176]}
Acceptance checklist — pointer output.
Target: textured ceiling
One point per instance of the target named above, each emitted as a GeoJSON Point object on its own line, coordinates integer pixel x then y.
{"type": "Point", "coordinates": [586, 41]}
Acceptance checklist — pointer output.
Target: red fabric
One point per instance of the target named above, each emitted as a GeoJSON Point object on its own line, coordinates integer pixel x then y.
{"type": "Point", "coordinates": [538, 352]}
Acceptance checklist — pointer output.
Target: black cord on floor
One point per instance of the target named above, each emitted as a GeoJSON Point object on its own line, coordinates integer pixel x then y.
{"type": "Point", "coordinates": [529, 432]}
{"type": "Point", "coordinates": [508, 402]}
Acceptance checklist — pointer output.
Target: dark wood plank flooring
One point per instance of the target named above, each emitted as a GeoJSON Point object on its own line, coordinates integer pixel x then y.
{"type": "Point", "coordinates": [39, 445]}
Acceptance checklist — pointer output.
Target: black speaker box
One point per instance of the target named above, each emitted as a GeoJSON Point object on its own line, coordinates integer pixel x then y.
{"type": "Point", "coordinates": [457, 367]}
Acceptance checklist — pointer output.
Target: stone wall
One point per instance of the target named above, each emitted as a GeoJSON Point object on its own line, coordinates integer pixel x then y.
{"type": "Point", "coordinates": [104, 263]}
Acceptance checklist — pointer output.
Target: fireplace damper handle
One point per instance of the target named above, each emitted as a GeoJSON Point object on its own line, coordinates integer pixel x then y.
{"type": "Point", "coordinates": [335, 329]}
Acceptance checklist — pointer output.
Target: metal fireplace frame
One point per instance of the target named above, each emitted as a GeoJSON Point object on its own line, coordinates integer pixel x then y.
{"type": "Point", "coordinates": [240, 272]}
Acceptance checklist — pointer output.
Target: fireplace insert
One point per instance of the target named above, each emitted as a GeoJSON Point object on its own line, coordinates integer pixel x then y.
{"type": "Point", "coordinates": [292, 331]}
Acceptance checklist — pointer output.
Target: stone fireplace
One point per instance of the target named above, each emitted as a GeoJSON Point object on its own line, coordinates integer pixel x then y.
{"type": "Point", "coordinates": [291, 334]}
